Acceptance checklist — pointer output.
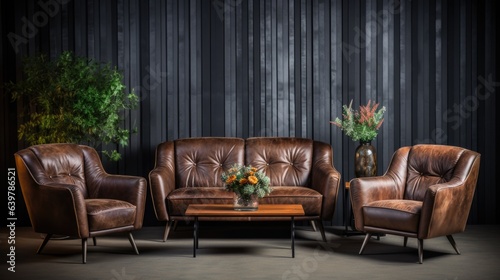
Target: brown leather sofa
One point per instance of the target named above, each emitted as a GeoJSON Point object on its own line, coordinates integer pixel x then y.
{"type": "Point", "coordinates": [426, 192]}
{"type": "Point", "coordinates": [187, 171]}
{"type": "Point", "coordinates": [67, 192]}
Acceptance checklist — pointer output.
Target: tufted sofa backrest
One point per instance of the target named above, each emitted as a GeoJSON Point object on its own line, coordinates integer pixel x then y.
{"type": "Point", "coordinates": [199, 162]}
{"type": "Point", "coordinates": [287, 161]}
{"type": "Point", "coordinates": [429, 165]}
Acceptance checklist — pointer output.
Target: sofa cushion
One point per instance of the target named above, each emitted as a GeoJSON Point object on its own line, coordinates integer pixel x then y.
{"type": "Point", "coordinates": [179, 199]}
{"type": "Point", "coordinates": [310, 199]}
{"type": "Point", "coordinates": [287, 161]}
{"type": "Point", "coordinates": [199, 162]}
{"type": "Point", "coordinates": [394, 214]}
{"type": "Point", "coordinates": [109, 213]}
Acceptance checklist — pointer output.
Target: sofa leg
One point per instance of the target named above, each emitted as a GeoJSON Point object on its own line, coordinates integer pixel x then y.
{"type": "Point", "coordinates": [94, 240]}
{"type": "Point", "coordinates": [367, 237]}
{"type": "Point", "coordinates": [313, 224]}
{"type": "Point", "coordinates": [84, 250]}
{"type": "Point", "coordinates": [420, 251]}
{"type": "Point", "coordinates": [167, 230]}
{"type": "Point", "coordinates": [452, 242]}
{"type": "Point", "coordinates": [45, 240]}
{"type": "Point", "coordinates": [132, 242]}
{"type": "Point", "coordinates": [321, 229]}
{"type": "Point", "coordinates": [405, 242]}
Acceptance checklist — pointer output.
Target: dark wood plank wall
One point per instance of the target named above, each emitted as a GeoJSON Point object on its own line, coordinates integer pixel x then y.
{"type": "Point", "coordinates": [281, 68]}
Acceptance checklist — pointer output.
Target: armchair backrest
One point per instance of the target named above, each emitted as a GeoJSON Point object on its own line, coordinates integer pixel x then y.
{"type": "Point", "coordinates": [199, 162]}
{"type": "Point", "coordinates": [53, 163]}
{"type": "Point", "coordinates": [429, 165]}
{"type": "Point", "coordinates": [287, 161]}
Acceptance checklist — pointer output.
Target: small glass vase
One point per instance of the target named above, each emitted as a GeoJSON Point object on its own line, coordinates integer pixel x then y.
{"type": "Point", "coordinates": [242, 203]}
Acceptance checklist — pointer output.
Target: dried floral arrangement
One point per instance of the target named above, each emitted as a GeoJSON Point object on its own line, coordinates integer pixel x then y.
{"type": "Point", "coordinates": [362, 125]}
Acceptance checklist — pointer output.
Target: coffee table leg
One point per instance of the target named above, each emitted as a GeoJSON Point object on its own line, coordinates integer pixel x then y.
{"type": "Point", "coordinates": [195, 236]}
{"type": "Point", "coordinates": [198, 233]}
{"type": "Point", "coordinates": [293, 237]}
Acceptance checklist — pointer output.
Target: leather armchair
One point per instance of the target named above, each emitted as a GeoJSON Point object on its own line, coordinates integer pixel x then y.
{"type": "Point", "coordinates": [67, 192]}
{"type": "Point", "coordinates": [426, 192]}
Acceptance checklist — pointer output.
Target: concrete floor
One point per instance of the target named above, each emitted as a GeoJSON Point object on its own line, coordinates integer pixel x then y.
{"type": "Point", "coordinates": [253, 251]}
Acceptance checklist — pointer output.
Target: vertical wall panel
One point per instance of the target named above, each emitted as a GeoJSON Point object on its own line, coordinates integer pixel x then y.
{"type": "Point", "coordinates": [283, 68]}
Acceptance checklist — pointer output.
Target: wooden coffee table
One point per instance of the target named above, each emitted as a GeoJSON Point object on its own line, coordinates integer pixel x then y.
{"type": "Point", "coordinates": [226, 210]}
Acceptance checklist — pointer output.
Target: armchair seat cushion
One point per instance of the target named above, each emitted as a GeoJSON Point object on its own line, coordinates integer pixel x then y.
{"type": "Point", "coordinates": [394, 214]}
{"type": "Point", "coordinates": [179, 199]}
{"type": "Point", "coordinates": [109, 213]}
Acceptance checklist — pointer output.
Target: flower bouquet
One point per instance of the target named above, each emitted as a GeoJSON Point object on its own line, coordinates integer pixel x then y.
{"type": "Point", "coordinates": [248, 185]}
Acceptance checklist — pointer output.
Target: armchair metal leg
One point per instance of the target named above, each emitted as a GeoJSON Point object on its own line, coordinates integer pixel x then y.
{"type": "Point", "coordinates": [45, 240]}
{"type": "Point", "coordinates": [167, 230]}
{"type": "Point", "coordinates": [367, 237]}
{"type": "Point", "coordinates": [321, 229]}
{"type": "Point", "coordinates": [95, 241]}
{"type": "Point", "coordinates": [131, 239]}
{"type": "Point", "coordinates": [420, 251]}
{"type": "Point", "coordinates": [84, 250]}
{"type": "Point", "coordinates": [452, 242]}
{"type": "Point", "coordinates": [405, 242]}
{"type": "Point", "coordinates": [313, 224]}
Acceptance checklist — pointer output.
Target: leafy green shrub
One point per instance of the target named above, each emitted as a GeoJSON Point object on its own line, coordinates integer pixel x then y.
{"type": "Point", "coordinates": [72, 100]}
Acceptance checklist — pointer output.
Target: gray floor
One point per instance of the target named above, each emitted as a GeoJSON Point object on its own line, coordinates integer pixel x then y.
{"type": "Point", "coordinates": [253, 251]}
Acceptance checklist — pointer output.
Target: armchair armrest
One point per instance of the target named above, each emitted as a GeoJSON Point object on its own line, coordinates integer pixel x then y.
{"type": "Point", "coordinates": [132, 189]}
{"type": "Point", "coordinates": [445, 209]}
{"type": "Point", "coordinates": [367, 189]}
{"type": "Point", "coordinates": [122, 187]}
{"type": "Point", "coordinates": [58, 209]}
{"type": "Point", "coordinates": [162, 179]}
{"type": "Point", "coordinates": [100, 184]}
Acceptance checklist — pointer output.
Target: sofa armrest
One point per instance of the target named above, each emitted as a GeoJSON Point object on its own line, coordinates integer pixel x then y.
{"type": "Point", "coordinates": [162, 179]}
{"type": "Point", "coordinates": [325, 178]}
{"type": "Point", "coordinates": [368, 189]}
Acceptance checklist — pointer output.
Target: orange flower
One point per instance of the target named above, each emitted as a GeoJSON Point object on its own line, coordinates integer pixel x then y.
{"type": "Point", "coordinates": [231, 179]}
{"type": "Point", "coordinates": [253, 180]}
{"type": "Point", "coordinates": [253, 169]}
{"type": "Point", "coordinates": [243, 181]}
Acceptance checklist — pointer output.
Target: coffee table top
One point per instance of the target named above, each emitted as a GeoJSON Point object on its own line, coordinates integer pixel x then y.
{"type": "Point", "coordinates": [227, 210]}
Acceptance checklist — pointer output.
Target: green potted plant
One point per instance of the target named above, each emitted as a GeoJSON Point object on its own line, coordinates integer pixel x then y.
{"type": "Point", "coordinates": [363, 126]}
{"type": "Point", "coordinates": [72, 99]}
